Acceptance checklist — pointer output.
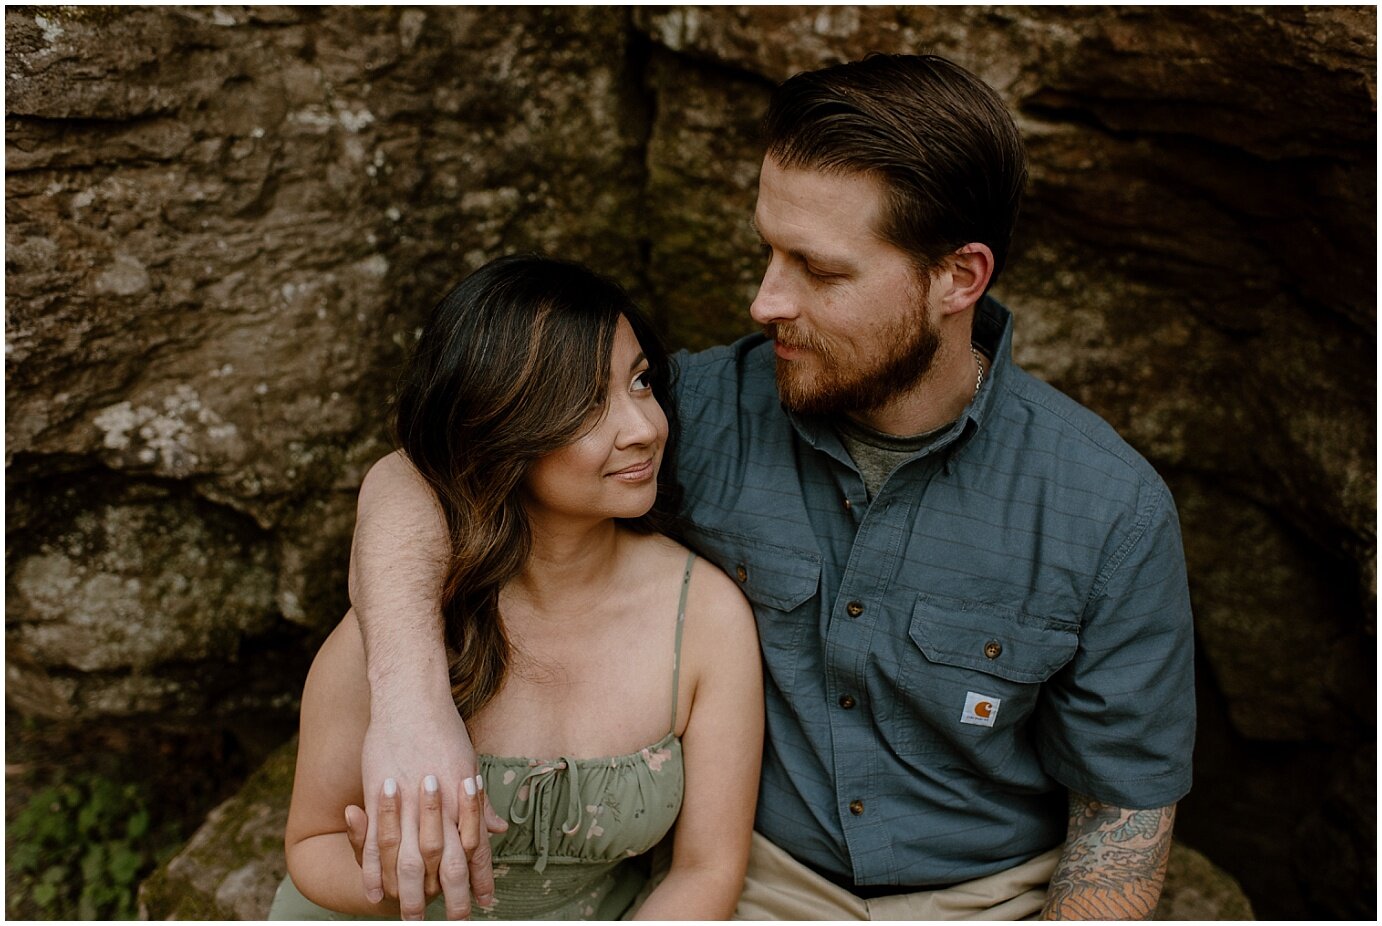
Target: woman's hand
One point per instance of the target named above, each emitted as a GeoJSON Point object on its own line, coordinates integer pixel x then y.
{"type": "Point", "coordinates": [455, 858]}
{"type": "Point", "coordinates": [393, 864]}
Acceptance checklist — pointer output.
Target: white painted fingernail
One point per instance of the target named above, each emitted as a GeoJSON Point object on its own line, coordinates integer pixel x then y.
{"type": "Point", "coordinates": [390, 787]}
{"type": "Point", "coordinates": [480, 782]}
{"type": "Point", "coordinates": [429, 784]}
{"type": "Point", "coordinates": [470, 786]}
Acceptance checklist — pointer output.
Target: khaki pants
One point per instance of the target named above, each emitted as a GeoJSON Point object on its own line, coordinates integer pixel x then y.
{"type": "Point", "coordinates": [778, 887]}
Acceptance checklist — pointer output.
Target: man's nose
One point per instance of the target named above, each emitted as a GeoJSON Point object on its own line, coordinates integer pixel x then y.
{"type": "Point", "coordinates": [775, 301]}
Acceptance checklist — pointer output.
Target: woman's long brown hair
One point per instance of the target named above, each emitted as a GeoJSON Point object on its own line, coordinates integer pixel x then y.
{"type": "Point", "coordinates": [507, 370]}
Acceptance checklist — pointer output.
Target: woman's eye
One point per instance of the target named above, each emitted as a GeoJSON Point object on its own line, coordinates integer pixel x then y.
{"type": "Point", "coordinates": [643, 380]}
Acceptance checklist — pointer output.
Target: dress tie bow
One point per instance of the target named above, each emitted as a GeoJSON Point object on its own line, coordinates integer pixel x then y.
{"type": "Point", "coordinates": [537, 804]}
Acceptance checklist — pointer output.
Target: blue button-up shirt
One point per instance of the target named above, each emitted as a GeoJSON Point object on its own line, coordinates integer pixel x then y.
{"type": "Point", "coordinates": [1006, 620]}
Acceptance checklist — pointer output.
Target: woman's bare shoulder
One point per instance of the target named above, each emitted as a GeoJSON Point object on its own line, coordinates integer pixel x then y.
{"type": "Point", "coordinates": [713, 599]}
{"type": "Point", "coordinates": [338, 671]}
{"type": "Point", "coordinates": [715, 591]}
{"type": "Point", "coordinates": [344, 644]}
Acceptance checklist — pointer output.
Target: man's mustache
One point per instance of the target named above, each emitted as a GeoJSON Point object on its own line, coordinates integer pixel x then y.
{"type": "Point", "coordinates": [793, 336]}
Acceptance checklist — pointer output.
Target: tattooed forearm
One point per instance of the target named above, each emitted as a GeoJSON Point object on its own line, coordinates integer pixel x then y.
{"type": "Point", "coordinates": [1113, 864]}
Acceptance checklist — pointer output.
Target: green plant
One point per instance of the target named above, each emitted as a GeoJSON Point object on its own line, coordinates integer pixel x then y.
{"type": "Point", "coordinates": [79, 848]}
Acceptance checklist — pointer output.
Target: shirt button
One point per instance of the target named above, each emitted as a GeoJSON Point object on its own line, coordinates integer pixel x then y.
{"type": "Point", "coordinates": [847, 702]}
{"type": "Point", "coordinates": [848, 504]}
{"type": "Point", "coordinates": [856, 807]}
{"type": "Point", "coordinates": [854, 609]}
{"type": "Point", "coordinates": [993, 649]}
{"type": "Point", "coordinates": [741, 573]}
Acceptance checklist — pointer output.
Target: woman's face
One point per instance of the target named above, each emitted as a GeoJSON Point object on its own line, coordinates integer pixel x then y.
{"type": "Point", "coordinates": [610, 471]}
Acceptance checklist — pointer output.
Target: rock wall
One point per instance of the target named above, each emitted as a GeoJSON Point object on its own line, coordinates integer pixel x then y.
{"type": "Point", "coordinates": [224, 227]}
{"type": "Point", "coordinates": [225, 224]}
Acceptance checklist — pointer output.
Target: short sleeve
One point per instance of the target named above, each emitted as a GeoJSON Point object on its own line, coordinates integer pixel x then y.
{"type": "Point", "coordinates": [1118, 722]}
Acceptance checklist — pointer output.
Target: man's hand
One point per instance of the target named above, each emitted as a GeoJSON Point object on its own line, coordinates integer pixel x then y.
{"type": "Point", "coordinates": [444, 849]}
{"type": "Point", "coordinates": [412, 840]}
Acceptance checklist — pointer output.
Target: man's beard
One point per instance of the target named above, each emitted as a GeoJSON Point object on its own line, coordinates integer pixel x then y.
{"type": "Point", "coordinates": [904, 354]}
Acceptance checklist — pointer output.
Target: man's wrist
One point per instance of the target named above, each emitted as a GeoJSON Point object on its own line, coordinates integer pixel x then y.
{"type": "Point", "coordinates": [409, 678]}
{"type": "Point", "coordinates": [409, 687]}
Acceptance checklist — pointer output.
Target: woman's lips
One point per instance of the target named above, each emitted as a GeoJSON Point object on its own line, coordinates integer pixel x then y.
{"type": "Point", "coordinates": [640, 472]}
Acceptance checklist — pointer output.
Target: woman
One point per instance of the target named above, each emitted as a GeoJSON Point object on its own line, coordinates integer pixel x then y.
{"type": "Point", "coordinates": [610, 681]}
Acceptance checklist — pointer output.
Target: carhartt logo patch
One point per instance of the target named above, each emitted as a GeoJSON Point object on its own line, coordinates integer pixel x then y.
{"type": "Point", "coordinates": [980, 709]}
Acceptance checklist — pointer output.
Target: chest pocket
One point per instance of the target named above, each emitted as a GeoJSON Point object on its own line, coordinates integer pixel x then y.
{"type": "Point", "coordinates": [780, 582]}
{"type": "Point", "coordinates": [972, 678]}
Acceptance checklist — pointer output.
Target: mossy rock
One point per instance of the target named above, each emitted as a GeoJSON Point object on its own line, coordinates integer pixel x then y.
{"type": "Point", "coordinates": [1197, 889]}
{"type": "Point", "coordinates": [231, 867]}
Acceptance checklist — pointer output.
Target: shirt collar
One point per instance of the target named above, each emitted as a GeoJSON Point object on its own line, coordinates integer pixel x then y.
{"type": "Point", "coordinates": [993, 334]}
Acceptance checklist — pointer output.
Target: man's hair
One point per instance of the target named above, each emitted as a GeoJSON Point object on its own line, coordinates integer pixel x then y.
{"type": "Point", "coordinates": [938, 138]}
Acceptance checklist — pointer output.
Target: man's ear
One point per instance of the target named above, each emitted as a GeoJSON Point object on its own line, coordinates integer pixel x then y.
{"type": "Point", "coordinates": [966, 276]}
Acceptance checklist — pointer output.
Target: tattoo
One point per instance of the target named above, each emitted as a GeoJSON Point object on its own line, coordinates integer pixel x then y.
{"type": "Point", "coordinates": [1113, 865]}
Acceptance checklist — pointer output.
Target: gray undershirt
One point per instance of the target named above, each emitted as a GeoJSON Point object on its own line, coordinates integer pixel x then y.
{"type": "Point", "coordinates": [878, 454]}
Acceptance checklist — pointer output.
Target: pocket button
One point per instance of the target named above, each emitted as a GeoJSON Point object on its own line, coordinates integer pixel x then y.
{"type": "Point", "coordinates": [993, 649]}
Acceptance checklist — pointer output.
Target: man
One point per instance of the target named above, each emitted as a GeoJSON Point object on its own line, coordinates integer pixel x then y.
{"type": "Point", "coordinates": [970, 593]}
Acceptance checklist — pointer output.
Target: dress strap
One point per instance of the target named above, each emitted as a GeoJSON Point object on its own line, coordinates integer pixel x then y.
{"type": "Point", "coordinates": [681, 623]}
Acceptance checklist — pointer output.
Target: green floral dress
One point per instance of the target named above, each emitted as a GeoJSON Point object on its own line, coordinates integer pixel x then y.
{"type": "Point", "coordinates": [577, 828]}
